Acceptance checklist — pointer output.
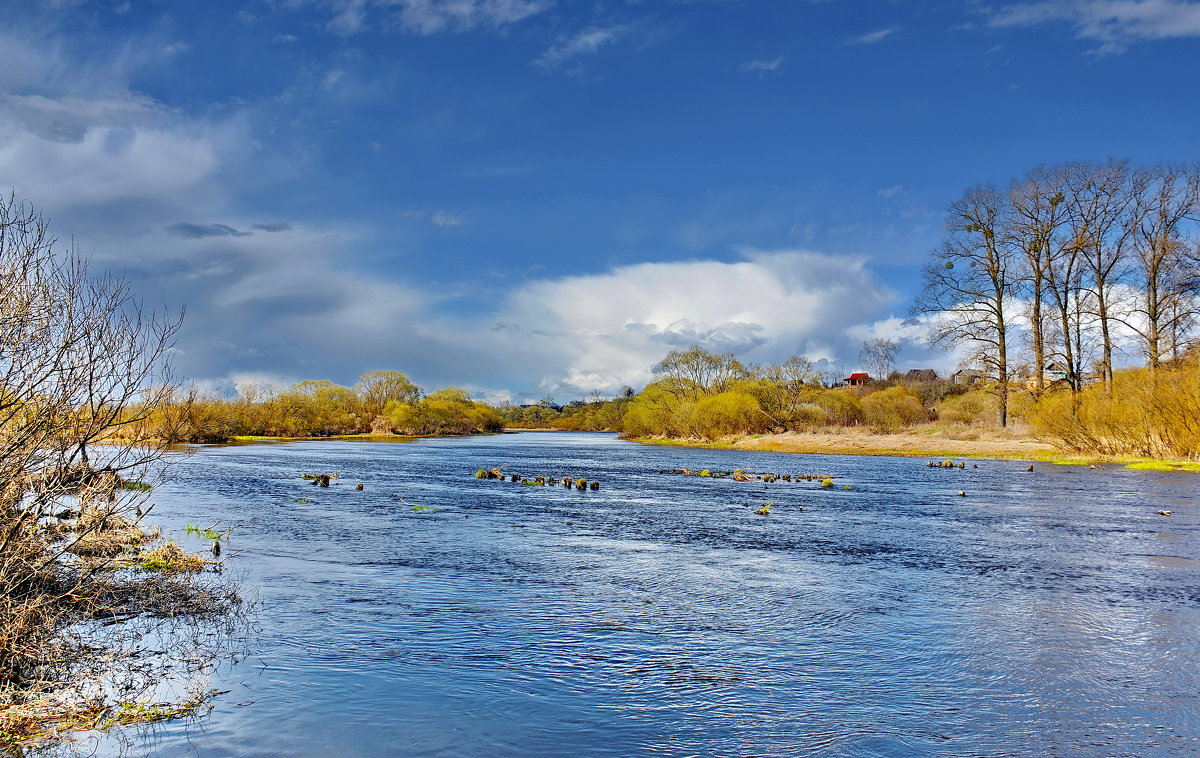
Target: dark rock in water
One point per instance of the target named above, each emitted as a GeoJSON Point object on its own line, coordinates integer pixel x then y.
{"type": "Point", "coordinates": [495, 474]}
{"type": "Point", "coordinates": [581, 484]}
{"type": "Point", "coordinates": [516, 477]}
{"type": "Point", "coordinates": [595, 485]}
{"type": "Point", "coordinates": [323, 480]}
{"type": "Point", "coordinates": [566, 482]}
{"type": "Point", "coordinates": [216, 548]}
{"type": "Point", "coordinates": [358, 486]}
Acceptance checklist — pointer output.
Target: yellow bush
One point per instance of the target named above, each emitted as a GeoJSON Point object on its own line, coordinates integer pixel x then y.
{"type": "Point", "coordinates": [893, 408]}
{"type": "Point", "coordinates": [1153, 415]}
{"type": "Point", "coordinates": [974, 407]}
{"type": "Point", "coordinates": [841, 407]}
{"type": "Point", "coordinates": [727, 413]}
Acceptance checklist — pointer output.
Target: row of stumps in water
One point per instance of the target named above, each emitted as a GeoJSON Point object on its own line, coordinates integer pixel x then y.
{"type": "Point", "coordinates": [738, 475]}
{"type": "Point", "coordinates": [537, 481]}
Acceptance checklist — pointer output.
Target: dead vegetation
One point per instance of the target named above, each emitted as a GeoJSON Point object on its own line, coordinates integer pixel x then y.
{"type": "Point", "coordinates": [97, 614]}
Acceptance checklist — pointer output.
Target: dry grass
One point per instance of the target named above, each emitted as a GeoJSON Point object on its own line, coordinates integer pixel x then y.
{"type": "Point", "coordinates": [925, 441]}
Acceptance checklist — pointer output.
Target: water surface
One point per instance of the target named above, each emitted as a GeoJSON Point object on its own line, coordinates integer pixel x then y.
{"type": "Point", "coordinates": [1044, 613]}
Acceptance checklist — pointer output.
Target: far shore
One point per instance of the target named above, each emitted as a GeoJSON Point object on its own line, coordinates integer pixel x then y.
{"type": "Point", "coordinates": [920, 442]}
{"type": "Point", "coordinates": [932, 442]}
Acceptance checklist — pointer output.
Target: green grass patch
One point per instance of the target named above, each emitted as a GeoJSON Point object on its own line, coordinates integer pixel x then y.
{"type": "Point", "coordinates": [140, 486]}
{"type": "Point", "coordinates": [1164, 466]}
{"type": "Point", "coordinates": [207, 534]}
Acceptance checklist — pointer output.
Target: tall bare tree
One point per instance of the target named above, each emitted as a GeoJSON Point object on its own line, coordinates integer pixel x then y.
{"type": "Point", "coordinates": [1166, 273]}
{"type": "Point", "coordinates": [1102, 220]}
{"type": "Point", "coordinates": [1037, 214]}
{"type": "Point", "coordinates": [970, 286]}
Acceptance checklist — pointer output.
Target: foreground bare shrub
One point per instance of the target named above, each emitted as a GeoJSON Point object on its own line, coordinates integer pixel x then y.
{"type": "Point", "coordinates": [78, 360]}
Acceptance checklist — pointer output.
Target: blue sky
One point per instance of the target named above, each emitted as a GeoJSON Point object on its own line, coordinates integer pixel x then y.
{"type": "Point", "coordinates": [531, 197]}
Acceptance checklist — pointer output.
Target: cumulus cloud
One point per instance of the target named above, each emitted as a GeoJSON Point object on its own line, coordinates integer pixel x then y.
{"type": "Point", "coordinates": [870, 38]}
{"type": "Point", "coordinates": [606, 330]}
{"type": "Point", "coordinates": [1113, 23]}
{"type": "Point", "coordinates": [588, 42]}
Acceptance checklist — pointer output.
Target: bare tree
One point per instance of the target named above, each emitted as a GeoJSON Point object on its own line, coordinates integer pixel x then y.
{"type": "Point", "coordinates": [1037, 214]}
{"type": "Point", "coordinates": [1166, 274]}
{"type": "Point", "coordinates": [1102, 219]}
{"type": "Point", "coordinates": [877, 356]}
{"type": "Point", "coordinates": [969, 286]}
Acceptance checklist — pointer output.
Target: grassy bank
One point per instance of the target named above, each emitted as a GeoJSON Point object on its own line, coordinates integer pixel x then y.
{"type": "Point", "coordinates": [919, 442]}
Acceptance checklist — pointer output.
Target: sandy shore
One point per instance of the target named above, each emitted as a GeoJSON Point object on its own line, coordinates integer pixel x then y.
{"type": "Point", "coordinates": [921, 442]}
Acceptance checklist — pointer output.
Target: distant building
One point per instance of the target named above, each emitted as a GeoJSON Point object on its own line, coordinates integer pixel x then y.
{"type": "Point", "coordinates": [921, 375]}
{"type": "Point", "coordinates": [1054, 375]}
{"type": "Point", "coordinates": [857, 379]}
{"type": "Point", "coordinates": [968, 376]}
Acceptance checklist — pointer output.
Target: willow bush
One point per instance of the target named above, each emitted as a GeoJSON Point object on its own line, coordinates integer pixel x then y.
{"type": "Point", "coordinates": [1153, 414]}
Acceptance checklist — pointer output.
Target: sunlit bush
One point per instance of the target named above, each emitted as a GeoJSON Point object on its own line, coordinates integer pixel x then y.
{"type": "Point", "coordinates": [447, 411]}
{"type": "Point", "coordinates": [728, 413]}
{"type": "Point", "coordinates": [1146, 414]}
{"type": "Point", "coordinates": [893, 408]}
{"type": "Point", "coordinates": [976, 407]}
{"type": "Point", "coordinates": [842, 407]}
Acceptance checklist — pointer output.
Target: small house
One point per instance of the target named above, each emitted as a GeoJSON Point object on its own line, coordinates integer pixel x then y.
{"type": "Point", "coordinates": [857, 379]}
{"type": "Point", "coordinates": [921, 375]}
{"type": "Point", "coordinates": [968, 376]}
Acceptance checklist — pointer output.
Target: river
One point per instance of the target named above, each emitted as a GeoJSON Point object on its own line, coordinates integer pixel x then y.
{"type": "Point", "coordinates": [1052, 612]}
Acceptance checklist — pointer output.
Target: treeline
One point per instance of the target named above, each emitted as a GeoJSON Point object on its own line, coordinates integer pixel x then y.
{"type": "Point", "coordinates": [594, 414]}
{"type": "Point", "coordinates": [698, 394]}
{"type": "Point", "coordinates": [1069, 265]}
{"type": "Point", "coordinates": [382, 402]}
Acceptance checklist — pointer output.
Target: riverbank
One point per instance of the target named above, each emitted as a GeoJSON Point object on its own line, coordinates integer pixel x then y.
{"type": "Point", "coordinates": [920, 442]}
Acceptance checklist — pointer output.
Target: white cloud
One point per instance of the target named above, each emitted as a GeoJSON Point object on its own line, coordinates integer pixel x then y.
{"type": "Point", "coordinates": [428, 17]}
{"type": "Point", "coordinates": [442, 217]}
{"type": "Point", "coordinates": [761, 66]}
{"type": "Point", "coordinates": [588, 42]}
{"type": "Point", "coordinates": [892, 191]}
{"type": "Point", "coordinates": [432, 16]}
{"type": "Point", "coordinates": [447, 218]}
{"type": "Point", "coordinates": [570, 336]}
{"type": "Point", "coordinates": [870, 38]}
{"type": "Point", "coordinates": [1113, 23]}
{"type": "Point", "coordinates": [76, 151]}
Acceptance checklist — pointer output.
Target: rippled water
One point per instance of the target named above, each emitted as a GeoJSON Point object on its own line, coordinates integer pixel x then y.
{"type": "Point", "coordinates": [1045, 613]}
